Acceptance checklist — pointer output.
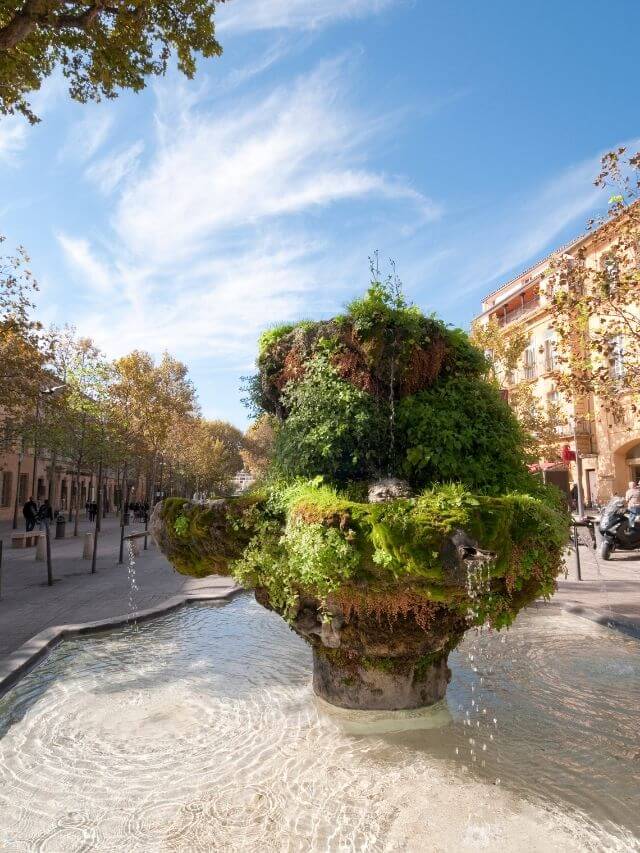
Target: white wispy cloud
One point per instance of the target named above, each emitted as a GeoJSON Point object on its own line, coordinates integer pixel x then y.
{"type": "Point", "coordinates": [506, 240]}
{"type": "Point", "coordinates": [13, 138]}
{"type": "Point", "coordinates": [296, 149]}
{"type": "Point", "coordinates": [92, 272]}
{"type": "Point", "coordinates": [87, 135]}
{"type": "Point", "coordinates": [109, 171]}
{"type": "Point", "coordinates": [222, 230]}
{"type": "Point", "coordinates": [247, 15]}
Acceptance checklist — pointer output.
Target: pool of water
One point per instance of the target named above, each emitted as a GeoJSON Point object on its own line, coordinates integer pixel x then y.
{"type": "Point", "coordinates": [199, 731]}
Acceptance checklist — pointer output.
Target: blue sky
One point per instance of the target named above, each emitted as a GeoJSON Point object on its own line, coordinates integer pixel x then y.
{"type": "Point", "coordinates": [459, 138]}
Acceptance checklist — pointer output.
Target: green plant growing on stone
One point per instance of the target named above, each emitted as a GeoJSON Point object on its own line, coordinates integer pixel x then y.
{"type": "Point", "coordinates": [381, 591]}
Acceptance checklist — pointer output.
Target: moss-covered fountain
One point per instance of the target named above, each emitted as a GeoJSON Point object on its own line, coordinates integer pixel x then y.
{"type": "Point", "coordinates": [381, 576]}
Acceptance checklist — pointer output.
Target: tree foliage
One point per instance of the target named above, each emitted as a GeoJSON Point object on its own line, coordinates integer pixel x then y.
{"type": "Point", "coordinates": [596, 307]}
{"type": "Point", "coordinates": [101, 47]}
{"type": "Point", "coordinates": [503, 351]}
{"type": "Point", "coordinates": [24, 347]}
{"type": "Point", "coordinates": [259, 446]}
{"type": "Point", "coordinates": [206, 453]}
{"type": "Point", "coordinates": [138, 416]}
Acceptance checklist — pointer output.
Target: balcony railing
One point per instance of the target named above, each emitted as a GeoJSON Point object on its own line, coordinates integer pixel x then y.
{"type": "Point", "coordinates": [509, 316]}
{"type": "Point", "coordinates": [530, 371]}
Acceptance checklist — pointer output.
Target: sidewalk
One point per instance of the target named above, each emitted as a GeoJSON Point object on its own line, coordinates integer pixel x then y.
{"type": "Point", "coordinates": [608, 592]}
{"type": "Point", "coordinates": [28, 605]}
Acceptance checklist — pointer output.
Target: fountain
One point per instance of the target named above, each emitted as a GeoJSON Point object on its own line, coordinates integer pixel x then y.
{"type": "Point", "coordinates": [197, 730]}
{"type": "Point", "coordinates": [377, 575]}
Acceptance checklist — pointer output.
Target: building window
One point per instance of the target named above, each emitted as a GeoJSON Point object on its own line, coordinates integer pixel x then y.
{"type": "Point", "coordinates": [7, 436]}
{"type": "Point", "coordinates": [550, 362]}
{"type": "Point", "coordinates": [7, 486]}
{"type": "Point", "coordinates": [529, 362]}
{"type": "Point", "coordinates": [611, 270]}
{"type": "Point", "coordinates": [616, 358]}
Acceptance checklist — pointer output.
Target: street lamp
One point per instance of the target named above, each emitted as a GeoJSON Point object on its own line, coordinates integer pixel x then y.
{"type": "Point", "coordinates": [42, 392]}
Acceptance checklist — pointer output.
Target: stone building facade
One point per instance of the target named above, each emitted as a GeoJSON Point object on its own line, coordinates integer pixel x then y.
{"type": "Point", "coordinates": [20, 479]}
{"type": "Point", "coordinates": [609, 449]}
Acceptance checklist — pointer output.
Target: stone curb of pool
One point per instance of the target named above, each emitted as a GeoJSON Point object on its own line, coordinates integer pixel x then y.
{"type": "Point", "coordinates": [23, 659]}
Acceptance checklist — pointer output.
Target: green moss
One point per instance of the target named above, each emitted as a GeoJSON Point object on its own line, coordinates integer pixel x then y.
{"type": "Point", "coordinates": [271, 336]}
{"type": "Point", "coordinates": [424, 663]}
{"type": "Point", "coordinates": [203, 540]}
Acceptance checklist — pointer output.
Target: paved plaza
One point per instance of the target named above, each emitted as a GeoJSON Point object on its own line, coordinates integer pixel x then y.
{"type": "Point", "coordinates": [607, 592]}
{"type": "Point", "coordinates": [28, 605]}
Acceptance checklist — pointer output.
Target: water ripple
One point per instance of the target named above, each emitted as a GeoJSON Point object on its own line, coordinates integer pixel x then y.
{"type": "Point", "coordinates": [199, 732]}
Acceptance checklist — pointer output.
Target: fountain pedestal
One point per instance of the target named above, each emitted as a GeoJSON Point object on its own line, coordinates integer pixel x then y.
{"type": "Point", "coordinates": [372, 662]}
{"type": "Point", "coordinates": [379, 686]}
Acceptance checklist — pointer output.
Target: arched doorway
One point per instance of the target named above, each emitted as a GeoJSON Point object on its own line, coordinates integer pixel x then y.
{"type": "Point", "coordinates": [633, 462]}
{"type": "Point", "coordinates": [626, 458]}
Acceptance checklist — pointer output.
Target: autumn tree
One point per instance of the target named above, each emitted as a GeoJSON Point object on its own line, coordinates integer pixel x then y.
{"type": "Point", "coordinates": [503, 349]}
{"type": "Point", "coordinates": [596, 306]}
{"type": "Point", "coordinates": [85, 372]}
{"type": "Point", "coordinates": [150, 398]}
{"type": "Point", "coordinates": [100, 47]}
{"type": "Point", "coordinates": [24, 348]}
{"type": "Point", "coordinates": [258, 446]}
{"type": "Point", "coordinates": [204, 454]}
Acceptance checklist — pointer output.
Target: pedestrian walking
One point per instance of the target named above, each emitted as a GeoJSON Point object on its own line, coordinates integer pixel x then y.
{"type": "Point", "coordinates": [30, 512]}
{"type": "Point", "coordinates": [45, 513]}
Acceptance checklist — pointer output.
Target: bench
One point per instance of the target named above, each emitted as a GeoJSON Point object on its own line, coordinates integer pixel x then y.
{"type": "Point", "coordinates": [25, 540]}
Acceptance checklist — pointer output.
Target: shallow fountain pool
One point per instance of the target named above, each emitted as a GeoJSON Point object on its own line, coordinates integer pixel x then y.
{"type": "Point", "coordinates": [199, 731]}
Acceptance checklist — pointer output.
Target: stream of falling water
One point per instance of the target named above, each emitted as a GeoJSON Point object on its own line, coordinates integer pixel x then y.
{"type": "Point", "coordinates": [201, 733]}
{"type": "Point", "coordinates": [392, 410]}
{"type": "Point", "coordinates": [133, 583]}
{"type": "Point", "coordinates": [480, 722]}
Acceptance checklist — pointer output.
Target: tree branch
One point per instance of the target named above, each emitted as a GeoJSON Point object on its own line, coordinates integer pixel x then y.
{"type": "Point", "coordinates": [20, 26]}
{"type": "Point", "coordinates": [33, 15]}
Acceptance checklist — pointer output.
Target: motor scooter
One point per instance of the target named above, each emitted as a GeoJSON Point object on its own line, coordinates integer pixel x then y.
{"type": "Point", "coordinates": [618, 532]}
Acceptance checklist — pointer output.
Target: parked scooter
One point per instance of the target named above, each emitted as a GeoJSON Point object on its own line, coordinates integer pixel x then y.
{"type": "Point", "coordinates": [618, 534]}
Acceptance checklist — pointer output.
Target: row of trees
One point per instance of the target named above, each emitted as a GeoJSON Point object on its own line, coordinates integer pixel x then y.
{"type": "Point", "coordinates": [63, 400]}
{"type": "Point", "coordinates": [594, 311]}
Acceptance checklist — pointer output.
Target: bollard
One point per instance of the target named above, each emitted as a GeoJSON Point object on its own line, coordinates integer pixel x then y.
{"type": "Point", "coordinates": [576, 543]}
{"type": "Point", "coordinates": [121, 554]}
{"type": "Point", "coordinates": [41, 549]}
{"type": "Point", "coordinates": [146, 529]}
{"type": "Point", "coordinates": [87, 547]}
{"type": "Point", "coordinates": [61, 526]}
{"type": "Point", "coordinates": [47, 534]}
